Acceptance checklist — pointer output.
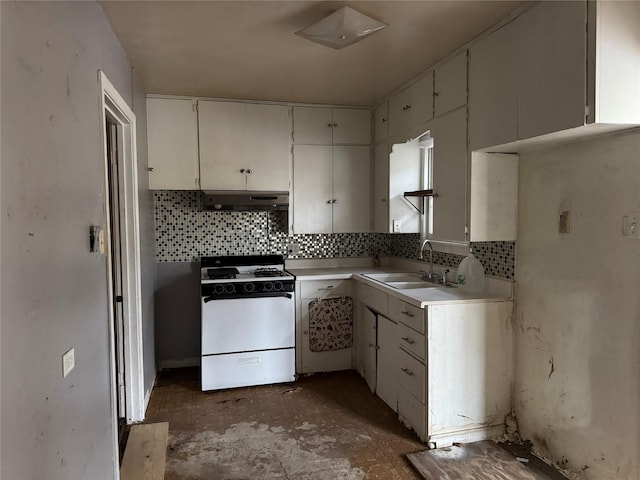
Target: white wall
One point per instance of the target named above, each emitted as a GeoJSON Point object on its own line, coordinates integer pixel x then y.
{"type": "Point", "coordinates": [53, 289]}
{"type": "Point", "coordinates": [578, 307]}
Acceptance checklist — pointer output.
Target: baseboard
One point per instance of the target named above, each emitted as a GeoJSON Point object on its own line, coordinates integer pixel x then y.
{"type": "Point", "coordinates": [179, 363]}
{"type": "Point", "coordinates": [147, 395]}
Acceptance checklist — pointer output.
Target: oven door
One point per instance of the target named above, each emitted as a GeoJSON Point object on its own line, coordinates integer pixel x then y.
{"type": "Point", "coordinates": [247, 324]}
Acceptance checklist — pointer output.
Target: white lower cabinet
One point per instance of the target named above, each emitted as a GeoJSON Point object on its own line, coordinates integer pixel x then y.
{"type": "Point", "coordinates": [386, 362]}
{"type": "Point", "coordinates": [447, 369]}
{"type": "Point", "coordinates": [329, 358]}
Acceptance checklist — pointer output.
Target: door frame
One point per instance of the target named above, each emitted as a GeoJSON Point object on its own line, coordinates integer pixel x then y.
{"type": "Point", "coordinates": [112, 103]}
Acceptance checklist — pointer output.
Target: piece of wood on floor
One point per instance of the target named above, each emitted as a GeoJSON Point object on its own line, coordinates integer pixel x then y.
{"type": "Point", "coordinates": [478, 461]}
{"type": "Point", "coordinates": [146, 452]}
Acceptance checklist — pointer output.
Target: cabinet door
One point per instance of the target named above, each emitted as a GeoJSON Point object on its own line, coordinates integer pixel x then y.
{"type": "Point", "coordinates": [420, 103]}
{"type": "Point", "coordinates": [381, 188]}
{"type": "Point", "coordinates": [387, 365]}
{"type": "Point", "coordinates": [221, 128]}
{"type": "Point", "coordinates": [312, 125]}
{"type": "Point", "coordinates": [381, 122]}
{"type": "Point", "coordinates": [449, 175]}
{"type": "Point", "coordinates": [450, 80]}
{"type": "Point", "coordinates": [328, 361]}
{"type": "Point", "coordinates": [493, 94]}
{"type": "Point", "coordinates": [370, 374]}
{"type": "Point", "coordinates": [551, 68]}
{"type": "Point", "coordinates": [351, 189]}
{"type": "Point", "coordinates": [404, 176]}
{"type": "Point", "coordinates": [312, 189]}
{"type": "Point", "coordinates": [266, 145]}
{"type": "Point", "coordinates": [172, 136]}
{"type": "Point", "coordinates": [351, 126]}
{"type": "Point", "coordinates": [398, 113]}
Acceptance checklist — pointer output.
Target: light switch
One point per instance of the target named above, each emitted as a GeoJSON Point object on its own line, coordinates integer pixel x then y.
{"type": "Point", "coordinates": [397, 226]}
{"type": "Point", "coordinates": [68, 362]}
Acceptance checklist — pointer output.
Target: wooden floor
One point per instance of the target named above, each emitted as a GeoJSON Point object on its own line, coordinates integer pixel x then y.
{"type": "Point", "coordinates": [145, 453]}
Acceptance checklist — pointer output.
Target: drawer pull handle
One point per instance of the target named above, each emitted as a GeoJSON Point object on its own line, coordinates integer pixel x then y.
{"type": "Point", "coordinates": [408, 340]}
{"type": "Point", "coordinates": [407, 313]}
{"type": "Point", "coordinates": [407, 371]}
{"type": "Point", "coordinates": [328, 287]}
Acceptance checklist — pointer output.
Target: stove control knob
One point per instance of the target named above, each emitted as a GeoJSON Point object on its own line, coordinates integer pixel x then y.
{"type": "Point", "coordinates": [277, 286]}
{"type": "Point", "coordinates": [218, 289]}
{"type": "Point", "coordinates": [229, 288]}
{"type": "Point", "coordinates": [249, 287]}
{"type": "Point", "coordinates": [267, 286]}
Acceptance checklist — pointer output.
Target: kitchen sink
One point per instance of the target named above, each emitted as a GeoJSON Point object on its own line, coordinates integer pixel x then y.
{"type": "Point", "coordinates": [401, 281]}
{"type": "Point", "coordinates": [395, 277]}
{"type": "Point", "coordinates": [406, 285]}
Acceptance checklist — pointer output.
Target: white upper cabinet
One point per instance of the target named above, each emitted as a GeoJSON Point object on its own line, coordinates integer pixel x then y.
{"type": "Point", "coordinates": [312, 189]}
{"type": "Point", "coordinates": [332, 171]}
{"type": "Point", "coordinates": [560, 71]}
{"type": "Point", "coordinates": [552, 54]}
{"type": "Point", "coordinates": [331, 189]}
{"type": "Point", "coordinates": [450, 84]}
{"type": "Point", "coordinates": [312, 125]}
{"type": "Point", "coordinates": [331, 126]}
{"type": "Point", "coordinates": [381, 122]}
{"type": "Point", "coordinates": [351, 189]}
{"type": "Point", "coordinates": [244, 146]}
{"type": "Point", "coordinates": [172, 136]}
{"type": "Point", "coordinates": [411, 108]}
{"type": "Point", "coordinates": [381, 187]}
{"type": "Point", "coordinates": [493, 89]}
{"type": "Point", "coordinates": [351, 126]}
{"type": "Point", "coordinates": [449, 134]}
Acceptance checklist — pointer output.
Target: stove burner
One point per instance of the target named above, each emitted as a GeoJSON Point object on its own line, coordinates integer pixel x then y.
{"type": "Point", "coordinates": [268, 272]}
{"type": "Point", "coordinates": [221, 273]}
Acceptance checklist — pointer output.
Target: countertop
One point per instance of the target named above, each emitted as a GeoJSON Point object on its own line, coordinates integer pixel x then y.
{"type": "Point", "coordinates": [495, 290]}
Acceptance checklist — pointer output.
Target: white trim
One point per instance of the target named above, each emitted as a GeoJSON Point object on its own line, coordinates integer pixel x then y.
{"type": "Point", "coordinates": [113, 103]}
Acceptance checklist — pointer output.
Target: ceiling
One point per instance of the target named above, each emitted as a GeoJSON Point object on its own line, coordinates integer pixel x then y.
{"type": "Point", "coordinates": [248, 50]}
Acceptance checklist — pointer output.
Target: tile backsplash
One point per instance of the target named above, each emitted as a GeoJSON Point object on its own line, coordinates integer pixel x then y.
{"type": "Point", "coordinates": [184, 233]}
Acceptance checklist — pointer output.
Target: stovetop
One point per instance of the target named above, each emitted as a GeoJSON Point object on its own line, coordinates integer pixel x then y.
{"type": "Point", "coordinates": [250, 268]}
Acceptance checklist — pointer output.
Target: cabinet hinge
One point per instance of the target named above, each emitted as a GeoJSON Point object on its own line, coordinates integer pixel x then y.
{"type": "Point", "coordinates": [195, 106]}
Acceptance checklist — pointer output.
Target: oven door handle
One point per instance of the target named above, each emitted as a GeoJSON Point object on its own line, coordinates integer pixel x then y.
{"type": "Point", "coordinates": [248, 295]}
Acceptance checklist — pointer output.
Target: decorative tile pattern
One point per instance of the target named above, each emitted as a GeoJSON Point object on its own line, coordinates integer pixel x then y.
{"type": "Point", "coordinates": [184, 233]}
{"type": "Point", "coordinates": [497, 258]}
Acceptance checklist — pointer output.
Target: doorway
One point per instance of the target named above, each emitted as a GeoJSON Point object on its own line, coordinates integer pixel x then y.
{"type": "Point", "coordinates": [115, 240]}
{"type": "Point", "coordinates": [122, 251]}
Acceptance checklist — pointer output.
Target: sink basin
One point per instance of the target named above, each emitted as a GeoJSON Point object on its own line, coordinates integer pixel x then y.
{"type": "Point", "coordinates": [395, 277]}
{"type": "Point", "coordinates": [401, 281]}
{"type": "Point", "coordinates": [406, 285]}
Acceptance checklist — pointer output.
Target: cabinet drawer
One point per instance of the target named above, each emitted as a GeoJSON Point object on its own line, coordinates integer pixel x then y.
{"type": "Point", "coordinates": [411, 340]}
{"type": "Point", "coordinates": [412, 413]}
{"type": "Point", "coordinates": [373, 298]}
{"type": "Point", "coordinates": [325, 288]}
{"type": "Point", "coordinates": [412, 375]}
{"type": "Point", "coordinates": [402, 312]}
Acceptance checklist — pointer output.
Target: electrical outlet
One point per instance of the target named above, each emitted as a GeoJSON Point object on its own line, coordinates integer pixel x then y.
{"type": "Point", "coordinates": [293, 249]}
{"type": "Point", "coordinates": [564, 225]}
{"type": "Point", "coordinates": [68, 362]}
{"type": "Point", "coordinates": [630, 225]}
{"type": "Point", "coordinates": [397, 225]}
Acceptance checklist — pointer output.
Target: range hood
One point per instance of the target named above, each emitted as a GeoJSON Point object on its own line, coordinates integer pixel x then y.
{"type": "Point", "coordinates": [245, 201]}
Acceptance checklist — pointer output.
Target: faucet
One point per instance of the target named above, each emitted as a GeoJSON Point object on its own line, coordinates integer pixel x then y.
{"type": "Point", "coordinates": [421, 257]}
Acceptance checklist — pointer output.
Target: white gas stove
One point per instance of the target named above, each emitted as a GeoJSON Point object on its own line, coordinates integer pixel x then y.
{"type": "Point", "coordinates": [248, 321]}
